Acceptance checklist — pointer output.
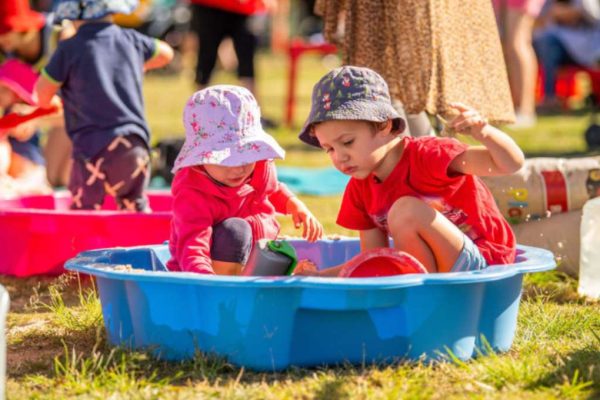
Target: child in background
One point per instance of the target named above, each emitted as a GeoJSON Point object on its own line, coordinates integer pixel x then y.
{"type": "Point", "coordinates": [424, 192]}
{"type": "Point", "coordinates": [30, 37]}
{"type": "Point", "coordinates": [99, 72]}
{"type": "Point", "coordinates": [225, 190]}
{"type": "Point", "coordinates": [19, 175]}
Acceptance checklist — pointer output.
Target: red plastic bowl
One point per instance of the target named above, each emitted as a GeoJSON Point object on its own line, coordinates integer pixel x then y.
{"type": "Point", "coordinates": [39, 233]}
{"type": "Point", "coordinates": [381, 262]}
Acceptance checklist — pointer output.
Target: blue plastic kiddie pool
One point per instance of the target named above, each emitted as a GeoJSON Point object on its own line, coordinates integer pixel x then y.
{"type": "Point", "coordinates": [271, 323]}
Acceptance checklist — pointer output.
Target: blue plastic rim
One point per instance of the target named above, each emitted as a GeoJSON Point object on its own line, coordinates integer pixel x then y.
{"type": "Point", "coordinates": [271, 323]}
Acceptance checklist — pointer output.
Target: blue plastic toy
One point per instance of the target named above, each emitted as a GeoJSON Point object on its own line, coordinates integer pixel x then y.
{"type": "Point", "coordinates": [271, 323]}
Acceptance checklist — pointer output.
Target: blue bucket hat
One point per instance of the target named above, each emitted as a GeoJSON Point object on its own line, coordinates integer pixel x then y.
{"type": "Point", "coordinates": [349, 93]}
{"type": "Point", "coordinates": [91, 9]}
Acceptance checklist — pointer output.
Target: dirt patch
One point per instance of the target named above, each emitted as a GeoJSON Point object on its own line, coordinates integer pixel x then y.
{"type": "Point", "coordinates": [34, 344]}
{"type": "Point", "coordinates": [26, 294]}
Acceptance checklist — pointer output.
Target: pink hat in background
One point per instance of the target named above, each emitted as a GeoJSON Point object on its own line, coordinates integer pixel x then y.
{"type": "Point", "coordinates": [222, 127]}
{"type": "Point", "coordinates": [20, 78]}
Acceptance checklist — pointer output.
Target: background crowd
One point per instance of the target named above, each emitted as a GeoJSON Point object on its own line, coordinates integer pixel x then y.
{"type": "Point", "coordinates": [540, 40]}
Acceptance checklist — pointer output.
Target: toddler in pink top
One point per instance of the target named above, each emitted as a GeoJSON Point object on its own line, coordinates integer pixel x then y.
{"type": "Point", "coordinates": [225, 190]}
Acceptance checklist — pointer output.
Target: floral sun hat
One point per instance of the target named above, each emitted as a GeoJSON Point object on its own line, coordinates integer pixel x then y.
{"type": "Point", "coordinates": [349, 93]}
{"type": "Point", "coordinates": [91, 9]}
{"type": "Point", "coordinates": [222, 127]}
{"type": "Point", "coordinates": [20, 78]}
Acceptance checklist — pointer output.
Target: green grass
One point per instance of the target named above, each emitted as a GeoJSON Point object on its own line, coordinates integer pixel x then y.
{"type": "Point", "coordinates": [57, 347]}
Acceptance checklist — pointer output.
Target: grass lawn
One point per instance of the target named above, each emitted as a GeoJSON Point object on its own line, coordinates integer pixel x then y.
{"type": "Point", "coordinates": [57, 346]}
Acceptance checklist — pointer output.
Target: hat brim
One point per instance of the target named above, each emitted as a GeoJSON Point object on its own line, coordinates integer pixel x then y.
{"type": "Point", "coordinates": [351, 111]}
{"type": "Point", "coordinates": [245, 151]}
{"type": "Point", "coordinates": [19, 90]}
{"type": "Point", "coordinates": [70, 10]}
{"type": "Point", "coordinates": [20, 78]}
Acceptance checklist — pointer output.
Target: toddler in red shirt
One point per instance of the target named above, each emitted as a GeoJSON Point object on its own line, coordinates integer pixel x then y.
{"type": "Point", "coordinates": [225, 190]}
{"type": "Point", "coordinates": [424, 193]}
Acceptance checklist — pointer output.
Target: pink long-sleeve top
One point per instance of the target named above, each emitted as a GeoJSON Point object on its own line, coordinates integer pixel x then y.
{"type": "Point", "coordinates": [199, 203]}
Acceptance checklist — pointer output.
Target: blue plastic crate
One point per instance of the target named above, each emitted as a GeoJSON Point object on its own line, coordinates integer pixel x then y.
{"type": "Point", "coordinates": [271, 323]}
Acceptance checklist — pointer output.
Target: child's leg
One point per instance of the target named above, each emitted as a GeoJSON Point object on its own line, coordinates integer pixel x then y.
{"type": "Point", "coordinates": [231, 246]}
{"type": "Point", "coordinates": [127, 168]}
{"type": "Point", "coordinates": [57, 153]}
{"type": "Point", "coordinates": [425, 233]}
{"type": "Point", "coordinates": [470, 259]}
{"type": "Point", "coordinates": [86, 184]}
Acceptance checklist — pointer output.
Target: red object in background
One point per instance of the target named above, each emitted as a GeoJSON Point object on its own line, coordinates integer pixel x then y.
{"type": "Point", "coordinates": [297, 48]}
{"type": "Point", "coordinates": [39, 233]}
{"type": "Point", "coordinates": [17, 16]}
{"type": "Point", "coordinates": [382, 261]}
{"type": "Point", "coordinates": [566, 83]}
{"type": "Point", "coordinates": [12, 120]}
{"type": "Point", "coordinates": [556, 191]}
{"type": "Point", "coordinates": [245, 7]}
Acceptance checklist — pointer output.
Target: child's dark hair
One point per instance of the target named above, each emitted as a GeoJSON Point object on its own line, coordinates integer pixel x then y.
{"type": "Point", "coordinates": [375, 126]}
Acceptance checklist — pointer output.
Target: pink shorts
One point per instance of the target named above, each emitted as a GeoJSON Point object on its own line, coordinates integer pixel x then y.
{"type": "Point", "coordinates": [529, 7]}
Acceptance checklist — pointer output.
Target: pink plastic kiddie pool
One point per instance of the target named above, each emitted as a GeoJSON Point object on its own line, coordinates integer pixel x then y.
{"type": "Point", "coordinates": [39, 233]}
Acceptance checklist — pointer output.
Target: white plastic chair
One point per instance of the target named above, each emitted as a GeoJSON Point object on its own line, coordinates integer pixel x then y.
{"type": "Point", "coordinates": [4, 302]}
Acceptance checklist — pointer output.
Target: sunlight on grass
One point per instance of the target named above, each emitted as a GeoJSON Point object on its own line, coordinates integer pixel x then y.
{"type": "Point", "coordinates": [555, 354]}
{"type": "Point", "coordinates": [87, 314]}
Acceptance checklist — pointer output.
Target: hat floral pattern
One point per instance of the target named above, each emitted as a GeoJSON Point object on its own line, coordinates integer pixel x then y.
{"type": "Point", "coordinates": [222, 125]}
{"type": "Point", "coordinates": [349, 93]}
{"type": "Point", "coordinates": [92, 9]}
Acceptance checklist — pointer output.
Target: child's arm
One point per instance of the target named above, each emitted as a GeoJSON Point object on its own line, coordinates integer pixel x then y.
{"type": "Point", "coordinates": [499, 155]}
{"type": "Point", "coordinates": [312, 230]}
{"type": "Point", "coordinates": [369, 239]}
{"type": "Point", "coordinates": [286, 202]}
{"type": "Point", "coordinates": [192, 224]}
{"type": "Point", "coordinates": [45, 90]}
{"type": "Point", "coordinates": [162, 56]}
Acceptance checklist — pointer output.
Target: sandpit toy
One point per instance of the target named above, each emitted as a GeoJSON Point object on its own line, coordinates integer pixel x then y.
{"type": "Point", "coordinates": [546, 186]}
{"type": "Point", "coordinates": [13, 120]}
{"type": "Point", "coordinates": [382, 261]}
{"type": "Point", "coordinates": [272, 323]}
{"type": "Point", "coordinates": [39, 233]}
{"type": "Point", "coordinates": [271, 258]}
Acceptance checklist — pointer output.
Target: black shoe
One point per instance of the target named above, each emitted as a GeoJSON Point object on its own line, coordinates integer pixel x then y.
{"type": "Point", "coordinates": [268, 123]}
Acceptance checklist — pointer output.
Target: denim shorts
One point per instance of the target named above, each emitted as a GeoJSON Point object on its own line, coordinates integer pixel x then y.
{"type": "Point", "coordinates": [469, 259]}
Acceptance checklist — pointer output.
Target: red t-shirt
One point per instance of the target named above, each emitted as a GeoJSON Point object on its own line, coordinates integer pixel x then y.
{"type": "Point", "coordinates": [422, 172]}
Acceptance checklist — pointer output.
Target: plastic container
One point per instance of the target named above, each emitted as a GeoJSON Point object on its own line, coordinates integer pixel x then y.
{"type": "Point", "coordinates": [589, 264]}
{"type": "Point", "coordinates": [4, 302]}
{"type": "Point", "coordinates": [271, 323]}
{"type": "Point", "coordinates": [39, 233]}
{"type": "Point", "coordinates": [271, 258]}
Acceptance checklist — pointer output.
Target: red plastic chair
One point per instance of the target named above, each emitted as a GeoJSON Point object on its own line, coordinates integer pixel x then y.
{"type": "Point", "coordinates": [297, 48]}
{"type": "Point", "coordinates": [566, 83]}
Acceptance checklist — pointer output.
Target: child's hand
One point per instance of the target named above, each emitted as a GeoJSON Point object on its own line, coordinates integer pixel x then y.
{"type": "Point", "coordinates": [468, 121]}
{"type": "Point", "coordinates": [311, 227]}
{"type": "Point", "coordinates": [306, 268]}
{"type": "Point", "coordinates": [24, 131]}
{"type": "Point", "coordinates": [57, 103]}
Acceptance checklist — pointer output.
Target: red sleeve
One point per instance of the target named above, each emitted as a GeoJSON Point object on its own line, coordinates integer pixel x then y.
{"type": "Point", "coordinates": [191, 230]}
{"type": "Point", "coordinates": [353, 213]}
{"type": "Point", "coordinates": [281, 194]}
{"type": "Point", "coordinates": [280, 197]}
{"type": "Point", "coordinates": [434, 155]}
